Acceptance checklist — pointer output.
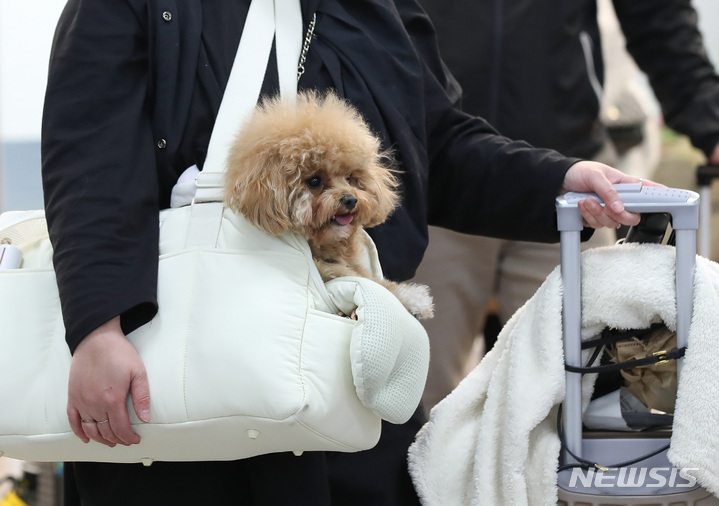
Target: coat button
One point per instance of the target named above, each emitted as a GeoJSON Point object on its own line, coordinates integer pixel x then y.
{"type": "Point", "coordinates": [162, 144]}
{"type": "Point", "coordinates": [167, 16]}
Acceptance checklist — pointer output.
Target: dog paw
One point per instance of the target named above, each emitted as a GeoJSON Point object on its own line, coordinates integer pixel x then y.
{"type": "Point", "coordinates": [417, 299]}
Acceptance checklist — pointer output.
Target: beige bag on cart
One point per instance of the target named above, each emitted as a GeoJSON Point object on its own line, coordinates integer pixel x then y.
{"type": "Point", "coordinates": [655, 385]}
{"type": "Point", "coordinates": [247, 354]}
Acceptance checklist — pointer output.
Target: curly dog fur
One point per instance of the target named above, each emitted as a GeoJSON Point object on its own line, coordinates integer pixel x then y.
{"type": "Point", "coordinates": [315, 168]}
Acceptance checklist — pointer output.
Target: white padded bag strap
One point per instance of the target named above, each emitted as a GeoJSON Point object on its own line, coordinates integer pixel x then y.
{"type": "Point", "coordinates": [267, 20]}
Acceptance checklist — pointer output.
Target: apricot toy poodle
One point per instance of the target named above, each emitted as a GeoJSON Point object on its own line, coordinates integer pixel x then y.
{"type": "Point", "coordinates": [315, 168]}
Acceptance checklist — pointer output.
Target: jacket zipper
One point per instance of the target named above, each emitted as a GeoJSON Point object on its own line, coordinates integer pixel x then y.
{"type": "Point", "coordinates": [586, 41]}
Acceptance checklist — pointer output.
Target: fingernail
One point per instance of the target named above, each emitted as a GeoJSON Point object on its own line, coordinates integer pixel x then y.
{"type": "Point", "coordinates": [617, 206]}
{"type": "Point", "coordinates": [145, 415]}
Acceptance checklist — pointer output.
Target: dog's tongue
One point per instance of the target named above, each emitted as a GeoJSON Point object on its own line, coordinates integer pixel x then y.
{"type": "Point", "coordinates": [344, 219]}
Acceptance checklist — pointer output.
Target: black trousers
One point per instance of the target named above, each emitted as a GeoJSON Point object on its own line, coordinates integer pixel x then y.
{"type": "Point", "coordinates": [266, 480]}
{"type": "Point", "coordinates": [376, 477]}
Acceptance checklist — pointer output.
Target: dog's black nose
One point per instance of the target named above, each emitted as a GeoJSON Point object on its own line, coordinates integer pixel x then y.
{"type": "Point", "coordinates": [348, 201]}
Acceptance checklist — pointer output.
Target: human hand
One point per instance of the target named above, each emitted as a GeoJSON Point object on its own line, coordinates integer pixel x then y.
{"type": "Point", "coordinates": [588, 176]}
{"type": "Point", "coordinates": [104, 368]}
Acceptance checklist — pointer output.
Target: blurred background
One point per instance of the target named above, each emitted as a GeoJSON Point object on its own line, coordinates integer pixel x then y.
{"type": "Point", "coordinates": [26, 30]}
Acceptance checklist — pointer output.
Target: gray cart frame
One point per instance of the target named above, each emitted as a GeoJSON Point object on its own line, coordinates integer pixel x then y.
{"type": "Point", "coordinates": [683, 205]}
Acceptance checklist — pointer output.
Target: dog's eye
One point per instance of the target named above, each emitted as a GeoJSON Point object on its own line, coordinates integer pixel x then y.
{"type": "Point", "coordinates": [314, 182]}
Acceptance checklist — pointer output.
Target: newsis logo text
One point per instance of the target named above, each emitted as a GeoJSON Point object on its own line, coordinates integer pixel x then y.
{"type": "Point", "coordinates": [634, 477]}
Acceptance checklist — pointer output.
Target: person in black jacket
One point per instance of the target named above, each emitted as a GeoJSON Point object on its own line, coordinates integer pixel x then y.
{"type": "Point", "coordinates": [133, 90]}
{"type": "Point", "coordinates": [534, 70]}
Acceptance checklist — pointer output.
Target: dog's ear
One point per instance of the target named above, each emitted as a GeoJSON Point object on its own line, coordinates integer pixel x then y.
{"type": "Point", "coordinates": [383, 185]}
{"type": "Point", "coordinates": [257, 189]}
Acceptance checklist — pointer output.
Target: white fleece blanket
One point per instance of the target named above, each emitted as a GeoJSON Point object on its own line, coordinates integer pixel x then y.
{"type": "Point", "coordinates": [493, 440]}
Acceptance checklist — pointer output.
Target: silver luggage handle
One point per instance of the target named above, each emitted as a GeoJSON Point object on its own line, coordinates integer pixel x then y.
{"type": "Point", "coordinates": [683, 205]}
{"type": "Point", "coordinates": [637, 198]}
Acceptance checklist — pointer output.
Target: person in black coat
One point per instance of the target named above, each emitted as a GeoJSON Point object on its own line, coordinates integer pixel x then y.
{"type": "Point", "coordinates": [133, 90]}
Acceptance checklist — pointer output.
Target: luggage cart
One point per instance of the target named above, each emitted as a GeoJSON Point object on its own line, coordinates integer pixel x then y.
{"type": "Point", "coordinates": [613, 447]}
{"type": "Point", "coordinates": [705, 175]}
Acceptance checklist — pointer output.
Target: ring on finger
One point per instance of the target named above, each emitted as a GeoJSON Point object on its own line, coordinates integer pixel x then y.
{"type": "Point", "coordinates": [88, 420]}
{"type": "Point", "coordinates": [103, 421]}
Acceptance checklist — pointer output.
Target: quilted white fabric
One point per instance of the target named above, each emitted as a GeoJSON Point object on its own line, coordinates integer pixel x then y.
{"type": "Point", "coordinates": [260, 363]}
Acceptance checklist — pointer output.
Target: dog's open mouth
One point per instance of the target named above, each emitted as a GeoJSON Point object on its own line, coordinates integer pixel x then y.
{"type": "Point", "coordinates": [343, 219]}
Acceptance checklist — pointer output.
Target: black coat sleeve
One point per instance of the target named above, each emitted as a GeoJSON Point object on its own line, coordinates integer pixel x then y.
{"type": "Point", "coordinates": [98, 167]}
{"type": "Point", "coordinates": [480, 182]}
{"type": "Point", "coordinates": [663, 37]}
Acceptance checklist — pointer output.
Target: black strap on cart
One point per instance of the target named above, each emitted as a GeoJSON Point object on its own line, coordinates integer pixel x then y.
{"type": "Point", "coordinates": [611, 336]}
{"type": "Point", "coordinates": [588, 464]}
